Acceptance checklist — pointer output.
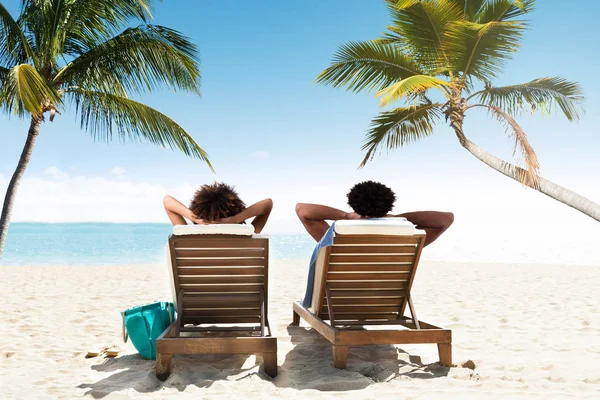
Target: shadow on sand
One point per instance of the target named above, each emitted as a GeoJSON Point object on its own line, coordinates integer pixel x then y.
{"type": "Point", "coordinates": [309, 365]}
{"type": "Point", "coordinates": [137, 373]}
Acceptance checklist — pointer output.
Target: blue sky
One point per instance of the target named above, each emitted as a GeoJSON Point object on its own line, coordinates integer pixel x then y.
{"type": "Point", "coordinates": [271, 131]}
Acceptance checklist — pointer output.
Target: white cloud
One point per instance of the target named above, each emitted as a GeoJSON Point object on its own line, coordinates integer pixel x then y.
{"type": "Point", "coordinates": [56, 173]}
{"type": "Point", "coordinates": [262, 154]}
{"type": "Point", "coordinates": [118, 171]}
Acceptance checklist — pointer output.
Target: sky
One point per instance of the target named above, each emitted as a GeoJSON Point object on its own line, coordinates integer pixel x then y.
{"type": "Point", "coordinates": [271, 131]}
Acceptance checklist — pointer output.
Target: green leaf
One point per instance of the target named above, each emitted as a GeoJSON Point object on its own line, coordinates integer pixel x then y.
{"type": "Point", "coordinates": [470, 8]}
{"type": "Point", "coordinates": [411, 86]}
{"type": "Point", "coordinates": [14, 46]}
{"type": "Point", "coordinates": [503, 10]}
{"type": "Point", "coordinates": [399, 127]}
{"type": "Point", "coordinates": [541, 95]}
{"type": "Point", "coordinates": [64, 27]}
{"type": "Point", "coordinates": [138, 60]}
{"type": "Point", "coordinates": [420, 26]}
{"type": "Point", "coordinates": [24, 90]}
{"type": "Point", "coordinates": [104, 114]}
{"type": "Point", "coordinates": [480, 50]}
{"type": "Point", "coordinates": [367, 65]}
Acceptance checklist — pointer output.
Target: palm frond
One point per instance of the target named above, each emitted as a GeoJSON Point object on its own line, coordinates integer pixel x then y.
{"type": "Point", "coordinates": [503, 10]}
{"type": "Point", "coordinates": [531, 177]}
{"type": "Point", "coordinates": [71, 27]}
{"type": "Point", "coordinates": [368, 65]}
{"type": "Point", "coordinates": [14, 46]}
{"type": "Point", "coordinates": [91, 22]}
{"type": "Point", "coordinates": [103, 114]}
{"type": "Point", "coordinates": [420, 27]}
{"type": "Point", "coordinates": [3, 74]}
{"type": "Point", "coordinates": [470, 8]}
{"type": "Point", "coordinates": [411, 86]}
{"type": "Point", "coordinates": [480, 50]}
{"type": "Point", "coordinates": [138, 60]}
{"type": "Point", "coordinates": [399, 127]}
{"type": "Point", "coordinates": [24, 90]}
{"type": "Point", "coordinates": [541, 95]}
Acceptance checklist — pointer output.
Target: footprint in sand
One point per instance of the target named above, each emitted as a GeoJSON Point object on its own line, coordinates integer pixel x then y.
{"type": "Point", "coordinates": [9, 354]}
{"type": "Point", "coordinates": [595, 381]}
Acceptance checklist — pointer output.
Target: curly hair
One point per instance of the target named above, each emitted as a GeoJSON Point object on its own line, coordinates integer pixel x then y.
{"type": "Point", "coordinates": [216, 201]}
{"type": "Point", "coordinates": [371, 199]}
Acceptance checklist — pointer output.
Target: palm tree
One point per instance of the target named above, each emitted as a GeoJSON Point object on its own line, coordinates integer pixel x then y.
{"type": "Point", "coordinates": [454, 48]}
{"type": "Point", "coordinates": [86, 54]}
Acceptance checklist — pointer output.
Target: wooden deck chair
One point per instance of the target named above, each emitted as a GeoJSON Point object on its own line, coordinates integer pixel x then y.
{"type": "Point", "coordinates": [363, 279]}
{"type": "Point", "coordinates": [220, 285]}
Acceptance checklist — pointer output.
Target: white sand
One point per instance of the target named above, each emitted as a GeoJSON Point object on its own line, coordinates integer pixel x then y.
{"type": "Point", "coordinates": [532, 331]}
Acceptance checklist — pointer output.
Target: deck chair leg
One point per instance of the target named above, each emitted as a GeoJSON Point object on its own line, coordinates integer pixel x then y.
{"type": "Point", "coordinates": [270, 363]}
{"type": "Point", "coordinates": [412, 311]}
{"type": "Point", "coordinates": [295, 319]}
{"type": "Point", "coordinates": [445, 352]}
{"type": "Point", "coordinates": [340, 355]}
{"type": "Point", "coordinates": [163, 366]}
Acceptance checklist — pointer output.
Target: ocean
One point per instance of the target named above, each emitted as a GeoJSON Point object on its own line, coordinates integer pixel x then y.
{"type": "Point", "coordinates": [114, 244]}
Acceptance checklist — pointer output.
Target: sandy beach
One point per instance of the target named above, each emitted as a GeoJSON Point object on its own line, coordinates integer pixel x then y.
{"type": "Point", "coordinates": [532, 331]}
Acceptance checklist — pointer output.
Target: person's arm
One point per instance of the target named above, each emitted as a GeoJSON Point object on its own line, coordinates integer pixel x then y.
{"type": "Point", "coordinates": [433, 222]}
{"type": "Point", "coordinates": [260, 211]}
{"type": "Point", "coordinates": [177, 212]}
{"type": "Point", "coordinates": [313, 218]}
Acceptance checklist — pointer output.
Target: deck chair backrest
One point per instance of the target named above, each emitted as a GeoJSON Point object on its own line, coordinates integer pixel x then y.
{"type": "Point", "coordinates": [367, 277]}
{"type": "Point", "coordinates": [220, 278]}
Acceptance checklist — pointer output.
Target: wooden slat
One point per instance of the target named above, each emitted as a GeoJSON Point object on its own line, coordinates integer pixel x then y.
{"type": "Point", "coordinates": [243, 252]}
{"type": "Point", "coordinates": [222, 304]}
{"type": "Point", "coordinates": [224, 279]}
{"type": "Point", "coordinates": [217, 345]}
{"type": "Point", "coordinates": [375, 239]}
{"type": "Point", "coordinates": [219, 262]}
{"type": "Point", "coordinates": [230, 329]}
{"type": "Point", "coordinates": [208, 299]}
{"type": "Point", "coordinates": [363, 316]}
{"type": "Point", "coordinates": [221, 271]}
{"type": "Point", "coordinates": [372, 259]}
{"type": "Point", "coordinates": [357, 338]}
{"type": "Point", "coordinates": [233, 288]}
{"type": "Point", "coordinates": [370, 268]}
{"type": "Point", "coordinates": [384, 293]}
{"type": "Point", "coordinates": [370, 284]}
{"type": "Point", "coordinates": [395, 249]}
{"type": "Point", "coordinates": [392, 301]}
{"type": "Point", "coordinates": [188, 243]}
{"type": "Point", "coordinates": [367, 277]}
{"type": "Point", "coordinates": [223, 312]}
{"type": "Point", "coordinates": [341, 310]}
{"type": "Point", "coordinates": [220, 320]}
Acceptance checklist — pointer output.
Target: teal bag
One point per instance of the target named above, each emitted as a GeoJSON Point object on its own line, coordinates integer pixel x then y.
{"type": "Point", "coordinates": [144, 324]}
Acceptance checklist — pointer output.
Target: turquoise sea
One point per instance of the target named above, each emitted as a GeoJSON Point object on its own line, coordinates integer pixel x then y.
{"type": "Point", "coordinates": [112, 244]}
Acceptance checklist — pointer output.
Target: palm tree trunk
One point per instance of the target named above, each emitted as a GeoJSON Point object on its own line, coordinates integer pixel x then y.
{"type": "Point", "coordinates": [11, 191]}
{"type": "Point", "coordinates": [544, 186]}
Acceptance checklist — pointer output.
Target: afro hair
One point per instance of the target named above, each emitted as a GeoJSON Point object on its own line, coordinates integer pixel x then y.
{"type": "Point", "coordinates": [216, 201]}
{"type": "Point", "coordinates": [371, 199]}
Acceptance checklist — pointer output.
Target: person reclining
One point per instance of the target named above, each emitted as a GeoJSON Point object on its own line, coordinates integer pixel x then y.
{"type": "Point", "coordinates": [371, 200]}
{"type": "Point", "coordinates": [218, 203]}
